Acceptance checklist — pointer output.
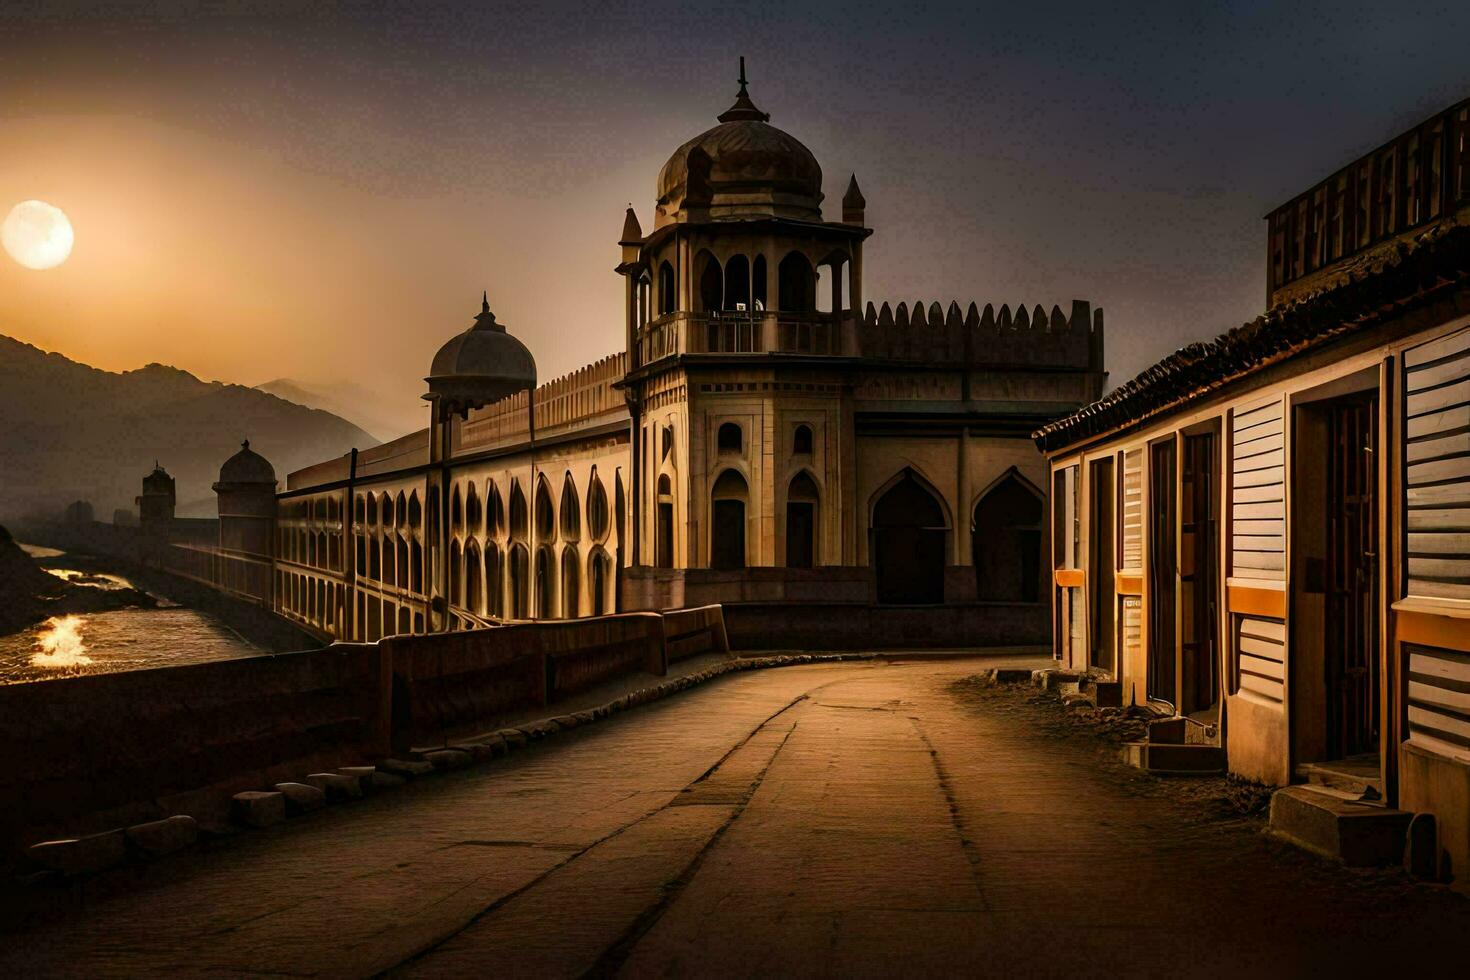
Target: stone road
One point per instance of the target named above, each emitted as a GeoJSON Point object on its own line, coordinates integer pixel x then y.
{"type": "Point", "coordinates": [842, 819]}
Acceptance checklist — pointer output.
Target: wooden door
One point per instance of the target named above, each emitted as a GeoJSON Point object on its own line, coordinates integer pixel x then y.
{"type": "Point", "coordinates": [1352, 558]}
{"type": "Point", "coordinates": [1162, 574]}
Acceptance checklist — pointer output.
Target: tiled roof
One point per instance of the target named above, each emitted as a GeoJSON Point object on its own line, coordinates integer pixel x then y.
{"type": "Point", "coordinates": [1403, 277]}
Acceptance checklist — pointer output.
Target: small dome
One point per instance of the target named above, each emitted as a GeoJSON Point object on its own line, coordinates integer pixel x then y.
{"type": "Point", "coordinates": [743, 166]}
{"type": "Point", "coordinates": [482, 365]}
{"type": "Point", "coordinates": [247, 466]}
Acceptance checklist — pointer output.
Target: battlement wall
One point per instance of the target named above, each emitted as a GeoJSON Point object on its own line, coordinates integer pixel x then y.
{"type": "Point", "coordinates": [562, 403]}
{"type": "Point", "coordinates": [1031, 338]}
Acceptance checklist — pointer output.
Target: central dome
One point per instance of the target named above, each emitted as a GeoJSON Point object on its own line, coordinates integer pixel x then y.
{"type": "Point", "coordinates": [744, 167]}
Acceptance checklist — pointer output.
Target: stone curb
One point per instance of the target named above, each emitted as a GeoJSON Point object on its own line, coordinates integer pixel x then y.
{"type": "Point", "coordinates": [256, 809]}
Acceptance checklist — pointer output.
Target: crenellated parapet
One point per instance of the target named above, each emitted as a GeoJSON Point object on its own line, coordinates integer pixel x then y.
{"type": "Point", "coordinates": [984, 338]}
{"type": "Point", "coordinates": [582, 395]}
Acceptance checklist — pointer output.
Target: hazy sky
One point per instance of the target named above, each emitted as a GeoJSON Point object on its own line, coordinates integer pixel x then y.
{"type": "Point", "coordinates": [321, 191]}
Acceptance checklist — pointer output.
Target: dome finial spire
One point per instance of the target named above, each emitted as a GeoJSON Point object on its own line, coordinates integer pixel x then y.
{"type": "Point", "coordinates": [485, 301]}
{"type": "Point", "coordinates": [743, 107]}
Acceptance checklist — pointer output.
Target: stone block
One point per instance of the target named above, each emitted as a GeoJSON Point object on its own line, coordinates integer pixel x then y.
{"type": "Point", "coordinates": [1178, 760]}
{"type": "Point", "coordinates": [159, 837]}
{"type": "Point", "coordinates": [514, 737]}
{"type": "Point", "coordinates": [259, 809]}
{"type": "Point", "coordinates": [1011, 675]}
{"type": "Point", "coordinates": [407, 768]}
{"type": "Point", "coordinates": [82, 855]}
{"type": "Point", "coordinates": [1107, 694]}
{"type": "Point", "coordinates": [301, 798]}
{"type": "Point", "coordinates": [366, 776]}
{"type": "Point", "coordinates": [477, 751]}
{"type": "Point", "coordinates": [496, 744]}
{"type": "Point", "coordinates": [1168, 731]}
{"type": "Point", "coordinates": [337, 787]}
{"type": "Point", "coordinates": [1357, 834]}
{"type": "Point", "coordinates": [448, 759]}
{"type": "Point", "coordinates": [565, 722]}
{"type": "Point", "coordinates": [584, 717]}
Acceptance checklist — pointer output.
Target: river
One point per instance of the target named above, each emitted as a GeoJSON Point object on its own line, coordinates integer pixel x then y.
{"type": "Point", "coordinates": [104, 642]}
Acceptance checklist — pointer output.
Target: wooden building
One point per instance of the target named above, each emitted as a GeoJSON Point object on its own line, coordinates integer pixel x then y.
{"type": "Point", "coordinates": [1268, 534]}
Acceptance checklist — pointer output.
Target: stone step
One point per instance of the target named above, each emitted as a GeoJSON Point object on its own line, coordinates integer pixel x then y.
{"type": "Point", "coordinates": [1358, 834]}
{"type": "Point", "coordinates": [1361, 785]}
{"type": "Point", "coordinates": [1172, 759]}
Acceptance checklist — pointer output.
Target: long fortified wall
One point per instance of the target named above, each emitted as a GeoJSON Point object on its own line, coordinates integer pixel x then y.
{"type": "Point", "coordinates": [109, 750]}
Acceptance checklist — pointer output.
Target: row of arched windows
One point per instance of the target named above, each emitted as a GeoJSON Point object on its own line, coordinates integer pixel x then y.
{"type": "Point", "coordinates": [500, 585]}
{"type": "Point", "coordinates": [468, 517]}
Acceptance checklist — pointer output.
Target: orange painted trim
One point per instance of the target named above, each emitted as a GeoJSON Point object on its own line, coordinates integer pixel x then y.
{"type": "Point", "coordinates": [1432, 631]}
{"type": "Point", "coordinates": [1129, 584]}
{"type": "Point", "coordinates": [1258, 602]}
{"type": "Point", "coordinates": [1070, 578]}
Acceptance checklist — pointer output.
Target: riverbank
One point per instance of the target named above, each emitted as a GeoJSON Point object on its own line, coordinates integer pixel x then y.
{"type": "Point", "coordinates": [69, 614]}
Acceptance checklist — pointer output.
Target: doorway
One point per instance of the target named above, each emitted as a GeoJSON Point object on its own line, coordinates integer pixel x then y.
{"type": "Point", "coordinates": [1334, 601]}
{"type": "Point", "coordinates": [1163, 569]}
{"type": "Point", "coordinates": [1199, 574]}
{"type": "Point", "coordinates": [908, 543]}
{"type": "Point", "coordinates": [1101, 565]}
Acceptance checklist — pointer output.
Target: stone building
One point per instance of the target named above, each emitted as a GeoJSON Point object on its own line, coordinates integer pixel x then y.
{"type": "Point", "coordinates": [767, 438]}
{"type": "Point", "coordinates": [156, 503]}
{"type": "Point", "coordinates": [1268, 535]}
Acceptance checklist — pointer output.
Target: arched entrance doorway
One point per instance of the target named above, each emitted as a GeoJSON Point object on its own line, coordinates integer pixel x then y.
{"type": "Point", "coordinates": [1006, 542]}
{"type": "Point", "coordinates": [801, 521]}
{"type": "Point", "coordinates": [727, 524]}
{"type": "Point", "coordinates": [908, 542]}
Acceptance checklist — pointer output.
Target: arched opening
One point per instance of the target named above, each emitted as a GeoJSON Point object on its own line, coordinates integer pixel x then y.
{"type": "Point", "coordinates": [729, 439]}
{"type": "Point", "coordinates": [801, 521]}
{"type": "Point", "coordinates": [666, 301]}
{"type": "Point", "coordinates": [620, 508]}
{"type": "Point", "coordinates": [372, 510]}
{"type": "Point", "coordinates": [711, 283]}
{"type": "Point", "coordinates": [494, 592]}
{"type": "Point", "coordinates": [727, 521]}
{"type": "Point", "coordinates": [597, 524]}
{"type": "Point", "coordinates": [520, 593]}
{"type": "Point", "coordinates": [474, 588]}
{"type": "Point", "coordinates": [795, 288]}
{"type": "Point", "coordinates": [599, 577]}
{"type": "Point", "coordinates": [545, 513]}
{"type": "Point", "coordinates": [664, 531]}
{"type": "Point", "coordinates": [400, 511]}
{"type": "Point", "coordinates": [1006, 538]}
{"type": "Point", "coordinates": [908, 538]}
{"type": "Point", "coordinates": [456, 575]}
{"type": "Point", "coordinates": [405, 620]}
{"type": "Point", "coordinates": [570, 583]}
{"type": "Point", "coordinates": [472, 510]}
{"type": "Point", "coordinates": [415, 511]}
{"type": "Point", "coordinates": [375, 566]}
{"type": "Point", "coordinates": [518, 524]}
{"type": "Point", "coordinates": [545, 587]}
{"type": "Point", "coordinates": [456, 510]}
{"type": "Point", "coordinates": [403, 562]}
{"type": "Point", "coordinates": [387, 512]}
{"type": "Point", "coordinates": [494, 512]}
{"type": "Point", "coordinates": [737, 283]}
{"type": "Point", "coordinates": [390, 559]}
{"type": "Point", "coordinates": [758, 284]}
{"type": "Point", "coordinates": [416, 567]}
{"type": "Point", "coordinates": [359, 510]}
{"type": "Point", "coordinates": [571, 511]}
{"type": "Point", "coordinates": [801, 441]}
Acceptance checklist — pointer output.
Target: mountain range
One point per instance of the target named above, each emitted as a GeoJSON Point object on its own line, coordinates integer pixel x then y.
{"type": "Point", "coordinates": [69, 431]}
{"type": "Point", "coordinates": [385, 420]}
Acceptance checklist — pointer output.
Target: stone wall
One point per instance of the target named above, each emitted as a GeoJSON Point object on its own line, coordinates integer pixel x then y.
{"type": "Point", "coordinates": [86, 754]}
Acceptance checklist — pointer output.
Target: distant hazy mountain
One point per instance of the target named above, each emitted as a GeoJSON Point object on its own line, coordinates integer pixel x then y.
{"type": "Point", "coordinates": [353, 402]}
{"type": "Point", "coordinates": [69, 431]}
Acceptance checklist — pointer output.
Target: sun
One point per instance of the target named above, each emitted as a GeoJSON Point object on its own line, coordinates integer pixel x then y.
{"type": "Point", "coordinates": [37, 235]}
